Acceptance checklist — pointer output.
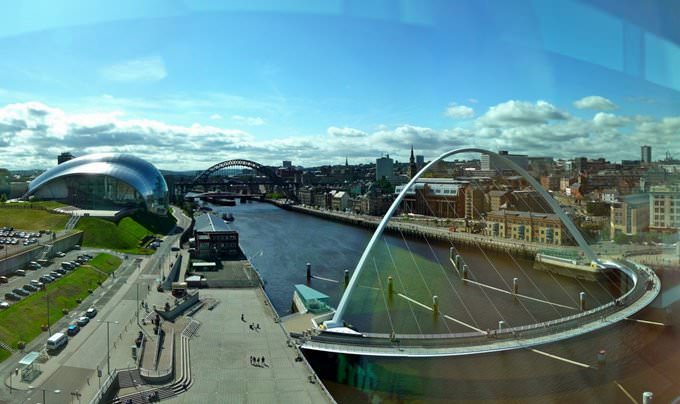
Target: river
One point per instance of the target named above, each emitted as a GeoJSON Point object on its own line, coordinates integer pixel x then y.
{"type": "Point", "coordinates": [639, 356]}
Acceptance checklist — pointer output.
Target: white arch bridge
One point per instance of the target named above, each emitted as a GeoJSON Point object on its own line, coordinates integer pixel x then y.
{"type": "Point", "coordinates": [335, 336]}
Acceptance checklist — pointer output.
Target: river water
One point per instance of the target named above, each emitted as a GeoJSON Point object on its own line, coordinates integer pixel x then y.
{"type": "Point", "coordinates": [639, 357]}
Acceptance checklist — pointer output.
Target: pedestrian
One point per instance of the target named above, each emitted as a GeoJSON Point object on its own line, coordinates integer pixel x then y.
{"type": "Point", "coordinates": [263, 360]}
{"type": "Point", "coordinates": [242, 318]}
{"type": "Point", "coordinates": [258, 326]}
{"type": "Point", "coordinates": [251, 326]}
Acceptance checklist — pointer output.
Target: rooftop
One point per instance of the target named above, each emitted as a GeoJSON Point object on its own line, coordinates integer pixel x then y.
{"type": "Point", "coordinates": [209, 222]}
{"type": "Point", "coordinates": [517, 213]}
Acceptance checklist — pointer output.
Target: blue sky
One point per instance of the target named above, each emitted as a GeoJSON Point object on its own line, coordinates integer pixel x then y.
{"type": "Point", "coordinates": [188, 84]}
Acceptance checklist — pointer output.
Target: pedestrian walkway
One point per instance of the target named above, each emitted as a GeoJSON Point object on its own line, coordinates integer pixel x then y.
{"type": "Point", "coordinates": [222, 347]}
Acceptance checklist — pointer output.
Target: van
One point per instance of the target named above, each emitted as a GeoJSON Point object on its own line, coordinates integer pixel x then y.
{"type": "Point", "coordinates": [56, 341]}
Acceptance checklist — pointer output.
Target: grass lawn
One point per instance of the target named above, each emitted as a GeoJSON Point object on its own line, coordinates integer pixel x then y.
{"type": "Point", "coordinates": [125, 235]}
{"type": "Point", "coordinates": [37, 204]}
{"type": "Point", "coordinates": [4, 354]}
{"type": "Point", "coordinates": [106, 262]}
{"type": "Point", "coordinates": [31, 219]}
{"type": "Point", "coordinates": [22, 320]}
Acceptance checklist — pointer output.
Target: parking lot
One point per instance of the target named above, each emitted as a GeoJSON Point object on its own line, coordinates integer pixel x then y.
{"type": "Point", "coordinates": [29, 280]}
{"type": "Point", "coordinates": [13, 240]}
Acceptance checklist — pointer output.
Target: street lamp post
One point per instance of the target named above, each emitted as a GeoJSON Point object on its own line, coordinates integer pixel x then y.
{"type": "Point", "coordinates": [108, 345]}
{"type": "Point", "coordinates": [47, 297]}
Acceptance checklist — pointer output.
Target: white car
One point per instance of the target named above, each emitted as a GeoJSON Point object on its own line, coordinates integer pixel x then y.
{"type": "Point", "coordinates": [4, 305]}
{"type": "Point", "coordinates": [60, 254]}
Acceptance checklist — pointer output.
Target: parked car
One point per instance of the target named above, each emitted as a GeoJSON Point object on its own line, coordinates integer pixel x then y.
{"type": "Point", "coordinates": [20, 292]}
{"type": "Point", "coordinates": [91, 312]}
{"type": "Point", "coordinates": [4, 305]}
{"type": "Point", "coordinates": [60, 271]}
{"type": "Point", "coordinates": [67, 265]}
{"type": "Point", "coordinates": [72, 330]}
{"type": "Point", "coordinates": [55, 274]}
{"type": "Point", "coordinates": [60, 254]}
{"type": "Point", "coordinates": [46, 279]}
{"type": "Point", "coordinates": [3, 279]}
{"type": "Point", "coordinates": [83, 320]}
{"type": "Point", "coordinates": [12, 296]}
{"type": "Point", "coordinates": [37, 284]}
{"type": "Point", "coordinates": [20, 272]}
{"type": "Point", "coordinates": [30, 288]}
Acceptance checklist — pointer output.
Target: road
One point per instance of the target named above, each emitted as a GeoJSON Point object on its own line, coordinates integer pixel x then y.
{"type": "Point", "coordinates": [74, 369]}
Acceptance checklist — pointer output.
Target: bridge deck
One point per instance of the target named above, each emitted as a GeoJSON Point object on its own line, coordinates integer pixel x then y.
{"type": "Point", "coordinates": [474, 343]}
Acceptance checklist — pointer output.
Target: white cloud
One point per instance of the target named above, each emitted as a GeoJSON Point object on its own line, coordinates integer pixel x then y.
{"type": "Point", "coordinates": [519, 113]}
{"type": "Point", "coordinates": [150, 68]}
{"type": "Point", "coordinates": [459, 111]}
{"type": "Point", "coordinates": [473, 100]}
{"type": "Point", "coordinates": [610, 120]}
{"type": "Point", "coordinates": [215, 117]}
{"type": "Point", "coordinates": [248, 120]}
{"type": "Point", "coordinates": [32, 134]}
{"type": "Point", "coordinates": [595, 102]}
{"type": "Point", "coordinates": [345, 132]}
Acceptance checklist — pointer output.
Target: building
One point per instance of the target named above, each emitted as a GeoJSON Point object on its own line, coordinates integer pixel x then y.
{"type": "Point", "coordinates": [438, 197]}
{"type": "Point", "coordinates": [384, 168]}
{"type": "Point", "coordinates": [214, 238]}
{"type": "Point", "coordinates": [630, 216]}
{"type": "Point", "coordinates": [550, 182]}
{"type": "Point", "coordinates": [64, 157]}
{"type": "Point", "coordinates": [664, 208]}
{"type": "Point", "coordinates": [412, 167]}
{"type": "Point", "coordinates": [475, 202]}
{"type": "Point", "coordinates": [287, 164]}
{"type": "Point", "coordinates": [493, 163]}
{"type": "Point", "coordinates": [107, 181]}
{"type": "Point", "coordinates": [498, 199]}
{"type": "Point", "coordinates": [646, 154]}
{"type": "Point", "coordinates": [529, 201]}
{"type": "Point", "coordinates": [340, 200]}
{"type": "Point", "coordinates": [306, 195]}
{"type": "Point", "coordinates": [420, 162]}
{"type": "Point", "coordinates": [544, 228]}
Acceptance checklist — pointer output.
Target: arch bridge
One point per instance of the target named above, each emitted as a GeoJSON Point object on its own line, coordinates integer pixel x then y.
{"type": "Point", "coordinates": [336, 337]}
{"type": "Point", "coordinates": [266, 171]}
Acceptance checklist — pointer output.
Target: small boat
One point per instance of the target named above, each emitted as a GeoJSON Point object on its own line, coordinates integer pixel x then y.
{"type": "Point", "coordinates": [227, 217]}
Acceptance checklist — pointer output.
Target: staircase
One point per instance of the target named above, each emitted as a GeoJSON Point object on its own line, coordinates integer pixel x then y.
{"type": "Point", "coordinates": [179, 386]}
{"type": "Point", "coordinates": [72, 221]}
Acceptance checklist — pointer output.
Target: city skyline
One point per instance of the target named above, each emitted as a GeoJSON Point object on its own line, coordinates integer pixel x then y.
{"type": "Point", "coordinates": [206, 83]}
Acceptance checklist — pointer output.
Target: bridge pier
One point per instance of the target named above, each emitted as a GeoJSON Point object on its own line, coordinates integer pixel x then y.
{"type": "Point", "coordinates": [390, 286]}
{"type": "Point", "coordinates": [464, 272]}
{"type": "Point", "coordinates": [309, 271]}
{"type": "Point", "coordinates": [582, 301]}
{"type": "Point", "coordinates": [515, 286]}
{"type": "Point", "coordinates": [435, 305]}
{"type": "Point", "coordinates": [346, 277]}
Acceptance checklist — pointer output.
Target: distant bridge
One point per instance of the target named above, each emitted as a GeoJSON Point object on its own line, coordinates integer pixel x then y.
{"type": "Point", "coordinates": [202, 178]}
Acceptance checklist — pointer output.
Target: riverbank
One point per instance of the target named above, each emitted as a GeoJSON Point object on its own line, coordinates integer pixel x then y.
{"type": "Point", "coordinates": [408, 229]}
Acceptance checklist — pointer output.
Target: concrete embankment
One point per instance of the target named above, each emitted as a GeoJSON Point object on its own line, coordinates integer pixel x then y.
{"type": "Point", "coordinates": [409, 229]}
{"type": "Point", "coordinates": [21, 259]}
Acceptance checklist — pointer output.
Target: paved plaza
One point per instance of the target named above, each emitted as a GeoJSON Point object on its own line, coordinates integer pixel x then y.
{"type": "Point", "coordinates": [222, 347]}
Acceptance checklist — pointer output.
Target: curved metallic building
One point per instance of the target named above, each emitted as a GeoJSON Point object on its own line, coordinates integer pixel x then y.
{"type": "Point", "coordinates": [106, 179]}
